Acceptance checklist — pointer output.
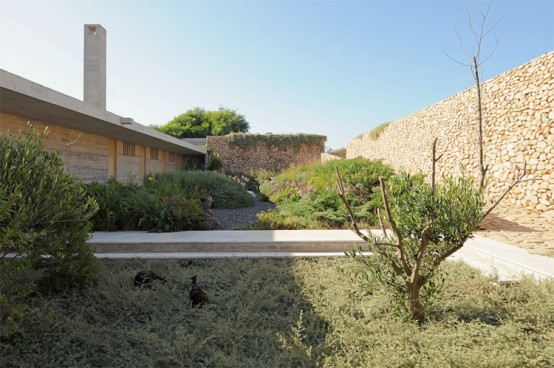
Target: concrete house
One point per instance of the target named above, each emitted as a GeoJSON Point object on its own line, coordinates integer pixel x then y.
{"type": "Point", "coordinates": [94, 144]}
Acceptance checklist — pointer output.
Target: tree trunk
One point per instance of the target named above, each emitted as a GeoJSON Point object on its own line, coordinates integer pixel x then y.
{"type": "Point", "coordinates": [482, 168]}
{"type": "Point", "coordinates": [417, 310]}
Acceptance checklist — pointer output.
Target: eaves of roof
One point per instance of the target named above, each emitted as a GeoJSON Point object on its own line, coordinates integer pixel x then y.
{"type": "Point", "coordinates": [22, 97]}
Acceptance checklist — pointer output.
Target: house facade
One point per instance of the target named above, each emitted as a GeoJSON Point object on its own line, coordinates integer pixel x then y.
{"type": "Point", "coordinates": [95, 144]}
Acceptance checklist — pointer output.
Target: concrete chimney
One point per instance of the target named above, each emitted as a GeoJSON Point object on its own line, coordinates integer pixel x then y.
{"type": "Point", "coordinates": [94, 83]}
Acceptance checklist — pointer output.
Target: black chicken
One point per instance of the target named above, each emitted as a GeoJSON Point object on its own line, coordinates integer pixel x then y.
{"type": "Point", "coordinates": [146, 278]}
{"type": "Point", "coordinates": [198, 296]}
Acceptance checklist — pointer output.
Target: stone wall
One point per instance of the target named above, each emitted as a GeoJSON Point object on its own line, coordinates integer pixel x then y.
{"type": "Point", "coordinates": [518, 115]}
{"type": "Point", "coordinates": [262, 153]}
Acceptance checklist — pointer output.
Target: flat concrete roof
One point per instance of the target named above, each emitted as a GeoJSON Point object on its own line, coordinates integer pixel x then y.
{"type": "Point", "coordinates": [22, 97]}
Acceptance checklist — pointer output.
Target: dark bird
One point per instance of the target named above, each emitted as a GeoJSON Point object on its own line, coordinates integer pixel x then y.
{"type": "Point", "coordinates": [146, 278]}
{"type": "Point", "coordinates": [198, 296]}
{"type": "Point", "coordinates": [186, 263]}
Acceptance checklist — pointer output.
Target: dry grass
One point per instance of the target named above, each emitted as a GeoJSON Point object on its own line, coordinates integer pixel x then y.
{"type": "Point", "coordinates": [283, 313]}
{"type": "Point", "coordinates": [376, 132]}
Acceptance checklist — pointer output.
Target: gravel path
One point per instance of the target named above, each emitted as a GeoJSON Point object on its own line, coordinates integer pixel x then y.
{"type": "Point", "coordinates": [231, 218]}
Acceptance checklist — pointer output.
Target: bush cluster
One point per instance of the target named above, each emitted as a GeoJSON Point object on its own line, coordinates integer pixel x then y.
{"type": "Point", "coordinates": [125, 207]}
{"type": "Point", "coordinates": [44, 225]}
{"type": "Point", "coordinates": [166, 202]}
{"type": "Point", "coordinates": [310, 191]}
{"type": "Point", "coordinates": [276, 220]}
{"type": "Point", "coordinates": [225, 192]}
{"type": "Point", "coordinates": [199, 123]}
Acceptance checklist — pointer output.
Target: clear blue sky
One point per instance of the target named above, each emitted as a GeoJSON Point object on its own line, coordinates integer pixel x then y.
{"type": "Point", "coordinates": [336, 68]}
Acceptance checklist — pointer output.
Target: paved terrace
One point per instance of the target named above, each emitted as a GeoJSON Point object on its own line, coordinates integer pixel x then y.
{"type": "Point", "coordinates": [488, 255]}
{"type": "Point", "coordinates": [522, 227]}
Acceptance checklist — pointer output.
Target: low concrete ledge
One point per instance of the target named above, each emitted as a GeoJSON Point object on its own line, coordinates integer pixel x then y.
{"type": "Point", "coordinates": [225, 241]}
{"type": "Point", "coordinates": [492, 257]}
{"type": "Point", "coordinates": [507, 261]}
{"type": "Point", "coordinates": [193, 255]}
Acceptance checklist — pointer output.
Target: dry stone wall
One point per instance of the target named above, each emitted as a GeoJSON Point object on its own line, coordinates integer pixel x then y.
{"type": "Point", "coordinates": [262, 153]}
{"type": "Point", "coordinates": [518, 115]}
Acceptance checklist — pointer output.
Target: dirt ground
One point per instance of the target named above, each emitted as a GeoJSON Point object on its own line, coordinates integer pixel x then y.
{"type": "Point", "coordinates": [521, 227]}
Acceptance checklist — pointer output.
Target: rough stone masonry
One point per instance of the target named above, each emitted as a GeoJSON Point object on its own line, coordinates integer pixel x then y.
{"type": "Point", "coordinates": [518, 116]}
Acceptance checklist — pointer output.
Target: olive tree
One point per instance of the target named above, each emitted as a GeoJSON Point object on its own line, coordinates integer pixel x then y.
{"type": "Point", "coordinates": [44, 220]}
{"type": "Point", "coordinates": [428, 222]}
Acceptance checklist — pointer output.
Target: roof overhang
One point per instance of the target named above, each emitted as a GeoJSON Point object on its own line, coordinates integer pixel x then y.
{"type": "Point", "coordinates": [22, 97]}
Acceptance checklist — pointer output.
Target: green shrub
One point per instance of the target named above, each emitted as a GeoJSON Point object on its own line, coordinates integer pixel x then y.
{"type": "Point", "coordinates": [181, 213]}
{"type": "Point", "coordinates": [215, 162]}
{"type": "Point", "coordinates": [46, 211]}
{"type": "Point", "coordinates": [199, 123]}
{"type": "Point", "coordinates": [225, 192]}
{"type": "Point", "coordinates": [246, 181]}
{"type": "Point", "coordinates": [125, 207]}
{"type": "Point", "coordinates": [427, 226]}
{"type": "Point", "coordinates": [166, 202]}
{"type": "Point", "coordinates": [324, 207]}
{"type": "Point", "coordinates": [275, 220]}
{"type": "Point", "coordinates": [309, 191]}
{"type": "Point", "coordinates": [44, 220]}
{"type": "Point", "coordinates": [122, 206]}
{"type": "Point", "coordinates": [263, 175]}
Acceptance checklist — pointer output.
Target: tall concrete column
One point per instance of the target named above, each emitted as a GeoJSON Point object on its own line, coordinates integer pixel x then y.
{"type": "Point", "coordinates": [94, 83]}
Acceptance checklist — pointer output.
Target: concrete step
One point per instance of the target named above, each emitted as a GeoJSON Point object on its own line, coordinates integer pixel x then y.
{"type": "Point", "coordinates": [225, 241]}
{"type": "Point", "coordinates": [490, 256]}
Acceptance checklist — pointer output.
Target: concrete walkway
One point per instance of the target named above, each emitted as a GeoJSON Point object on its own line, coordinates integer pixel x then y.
{"type": "Point", "coordinates": [523, 227]}
{"type": "Point", "coordinates": [490, 256]}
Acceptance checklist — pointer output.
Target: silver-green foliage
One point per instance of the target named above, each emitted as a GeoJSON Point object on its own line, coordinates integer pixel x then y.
{"type": "Point", "coordinates": [48, 210]}
{"type": "Point", "coordinates": [225, 192]}
{"type": "Point", "coordinates": [308, 192]}
{"type": "Point", "coordinates": [428, 223]}
{"type": "Point", "coordinates": [287, 312]}
{"type": "Point", "coordinates": [44, 216]}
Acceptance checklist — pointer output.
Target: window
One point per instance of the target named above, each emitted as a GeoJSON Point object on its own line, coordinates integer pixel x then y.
{"type": "Point", "coordinates": [153, 153]}
{"type": "Point", "coordinates": [128, 149]}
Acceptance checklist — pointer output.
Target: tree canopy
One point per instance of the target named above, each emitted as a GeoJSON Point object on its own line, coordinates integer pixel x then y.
{"type": "Point", "coordinates": [199, 123]}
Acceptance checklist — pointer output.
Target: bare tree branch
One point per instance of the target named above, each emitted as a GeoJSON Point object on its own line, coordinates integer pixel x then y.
{"type": "Point", "coordinates": [450, 252]}
{"type": "Point", "coordinates": [369, 238]}
{"type": "Point", "coordinates": [381, 223]}
{"type": "Point", "coordinates": [425, 233]}
{"type": "Point", "coordinates": [433, 168]}
{"type": "Point", "coordinates": [400, 250]}
{"type": "Point", "coordinates": [392, 245]}
{"type": "Point", "coordinates": [342, 196]}
{"type": "Point", "coordinates": [485, 30]}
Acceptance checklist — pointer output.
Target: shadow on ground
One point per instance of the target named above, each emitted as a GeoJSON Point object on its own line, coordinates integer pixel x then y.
{"type": "Point", "coordinates": [256, 317]}
{"type": "Point", "coordinates": [496, 223]}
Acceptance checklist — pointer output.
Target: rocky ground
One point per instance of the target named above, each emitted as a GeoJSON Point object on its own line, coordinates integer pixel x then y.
{"type": "Point", "coordinates": [232, 218]}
